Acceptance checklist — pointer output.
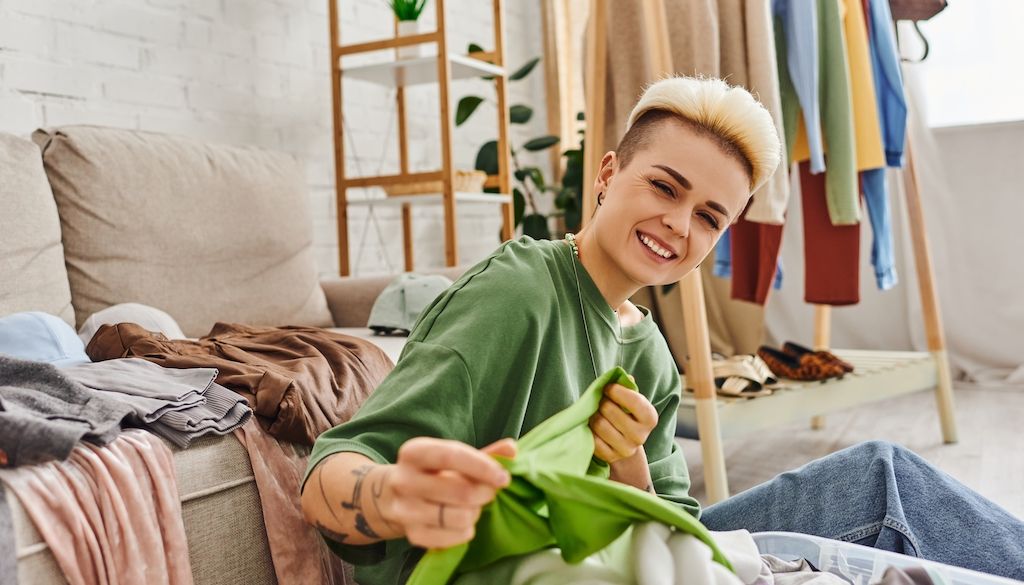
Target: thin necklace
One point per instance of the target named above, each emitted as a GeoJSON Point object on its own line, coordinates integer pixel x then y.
{"type": "Point", "coordinates": [571, 239]}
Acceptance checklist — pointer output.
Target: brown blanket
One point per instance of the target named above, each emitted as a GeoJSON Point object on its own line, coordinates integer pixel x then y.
{"type": "Point", "coordinates": [299, 381]}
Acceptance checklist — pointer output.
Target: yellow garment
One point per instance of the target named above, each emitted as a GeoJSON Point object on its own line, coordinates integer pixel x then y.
{"type": "Point", "coordinates": [867, 128]}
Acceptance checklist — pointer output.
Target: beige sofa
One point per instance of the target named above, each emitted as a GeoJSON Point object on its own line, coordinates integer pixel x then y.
{"type": "Point", "coordinates": [91, 217]}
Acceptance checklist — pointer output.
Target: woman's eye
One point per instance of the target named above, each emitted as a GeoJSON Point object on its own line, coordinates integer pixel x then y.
{"type": "Point", "coordinates": [709, 219]}
{"type": "Point", "coordinates": [664, 188]}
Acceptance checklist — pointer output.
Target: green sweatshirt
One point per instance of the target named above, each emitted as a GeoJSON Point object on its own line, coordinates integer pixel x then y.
{"type": "Point", "coordinates": [499, 352]}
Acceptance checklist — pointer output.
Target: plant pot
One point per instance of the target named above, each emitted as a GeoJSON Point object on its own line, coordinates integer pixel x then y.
{"type": "Point", "coordinates": [408, 28]}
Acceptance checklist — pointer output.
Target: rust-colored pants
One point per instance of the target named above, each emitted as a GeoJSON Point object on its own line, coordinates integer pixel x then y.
{"type": "Point", "coordinates": [831, 252]}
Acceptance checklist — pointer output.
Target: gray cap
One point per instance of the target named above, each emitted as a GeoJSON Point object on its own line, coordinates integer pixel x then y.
{"type": "Point", "coordinates": [401, 303]}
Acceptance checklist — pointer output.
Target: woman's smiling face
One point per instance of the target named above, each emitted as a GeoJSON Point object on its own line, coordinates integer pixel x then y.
{"type": "Point", "coordinates": [663, 212]}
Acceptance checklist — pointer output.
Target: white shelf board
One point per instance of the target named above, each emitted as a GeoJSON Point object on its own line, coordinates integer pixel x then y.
{"type": "Point", "coordinates": [431, 198]}
{"type": "Point", "coordinates": [406, 72]}
{"type": "Point", "coordinates": [877, 375]}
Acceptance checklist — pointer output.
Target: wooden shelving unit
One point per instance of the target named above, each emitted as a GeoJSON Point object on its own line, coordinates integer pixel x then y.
{"type": "Point", "coordinates": [442, 70]}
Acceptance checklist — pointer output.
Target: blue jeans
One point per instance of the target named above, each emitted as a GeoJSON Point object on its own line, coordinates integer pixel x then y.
{"type": "Point", "coordinates": [882, 495]}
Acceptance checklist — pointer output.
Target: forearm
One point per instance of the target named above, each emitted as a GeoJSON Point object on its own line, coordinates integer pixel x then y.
{"type": "Point", "coordinates": [633, 471]}
{"type": "Point", "coordinates": [344, 498]}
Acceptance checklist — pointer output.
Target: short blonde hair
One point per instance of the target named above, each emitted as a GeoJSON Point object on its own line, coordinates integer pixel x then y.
{"type": "Point", "coordinates": [726, 112]}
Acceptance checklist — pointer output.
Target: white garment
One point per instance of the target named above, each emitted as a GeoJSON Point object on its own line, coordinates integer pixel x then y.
{"type": "Point", "coordinates": [149, 318]}
{"type": "Point", "coordinates": [657, 555]}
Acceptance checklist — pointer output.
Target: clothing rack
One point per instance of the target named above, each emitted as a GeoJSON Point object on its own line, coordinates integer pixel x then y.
{"type": "Point", "coordinates": [878, 375]}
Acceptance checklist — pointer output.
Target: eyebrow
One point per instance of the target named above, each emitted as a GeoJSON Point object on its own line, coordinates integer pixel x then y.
{"type": "Point", "coordinates": [689, 187]}
{"type": "Point", "coordinates": [675, 175]}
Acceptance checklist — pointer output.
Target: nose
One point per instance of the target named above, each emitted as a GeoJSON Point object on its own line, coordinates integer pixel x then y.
{"type": "Point", "coordinates": [677, 220]}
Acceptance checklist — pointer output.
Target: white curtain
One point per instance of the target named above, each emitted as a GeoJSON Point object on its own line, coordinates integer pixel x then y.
{"type": "Point", "coordinates": [972, 189]}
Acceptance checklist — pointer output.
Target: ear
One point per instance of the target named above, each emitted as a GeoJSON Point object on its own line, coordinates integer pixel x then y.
{"type": "Point", "coordinates": [609, 166]}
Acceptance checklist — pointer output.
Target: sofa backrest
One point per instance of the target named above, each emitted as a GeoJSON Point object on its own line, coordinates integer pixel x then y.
{"type": "Point", "coordinates": [32, 273]}
{"type": "Point", "coordinates": [204, 232]}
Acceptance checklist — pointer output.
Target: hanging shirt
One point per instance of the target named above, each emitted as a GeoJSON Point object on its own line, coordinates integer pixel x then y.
{"type": "Point", "coordinates": [499, 352]}
{"type": "Point", "coordinates": [837, 119]}
{"type": "Point", "coordinates": [892, 114]}
{"type": "Point", "coordinates": [885, 61]}
{"type": "Point", "coordinates": [798, 56]}
{"type": "Point", "coordinates": [867, 129]}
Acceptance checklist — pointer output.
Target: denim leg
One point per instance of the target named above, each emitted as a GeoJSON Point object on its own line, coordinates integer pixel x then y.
{"type": "Point", "coordinates": [883, 495]}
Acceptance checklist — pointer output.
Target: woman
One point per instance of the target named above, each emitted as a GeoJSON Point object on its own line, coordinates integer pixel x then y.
{"type": "Point", "coordinates": [521, 334]}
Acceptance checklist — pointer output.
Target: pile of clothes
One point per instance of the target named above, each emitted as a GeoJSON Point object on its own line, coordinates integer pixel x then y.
{"type": "Point", "coordinates": [88, 421]}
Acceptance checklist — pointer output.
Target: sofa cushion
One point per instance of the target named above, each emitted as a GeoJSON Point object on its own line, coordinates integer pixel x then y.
{"type": "Point", "coordinates": [204, 232]}
{"type": "Point", "coordinates": [32, 273]}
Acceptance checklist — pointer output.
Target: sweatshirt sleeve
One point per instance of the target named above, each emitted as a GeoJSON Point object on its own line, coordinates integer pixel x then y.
{"type": "Point", "coordinates": [669, 474]}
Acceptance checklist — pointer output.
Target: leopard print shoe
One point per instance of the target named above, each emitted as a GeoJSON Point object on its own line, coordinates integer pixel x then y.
{"type": "Point", "coordinates": [808, 367]}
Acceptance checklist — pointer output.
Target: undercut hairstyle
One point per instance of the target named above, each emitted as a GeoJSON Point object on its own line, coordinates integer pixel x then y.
{"type": "Point", "coordinates": [730, 116]}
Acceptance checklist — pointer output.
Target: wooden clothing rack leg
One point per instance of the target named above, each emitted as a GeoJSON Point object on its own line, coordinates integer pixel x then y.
{"type": "Point", "coordinates": [879, 374]}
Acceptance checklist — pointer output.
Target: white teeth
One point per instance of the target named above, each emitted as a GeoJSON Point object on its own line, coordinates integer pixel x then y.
{"type": "Point", "coordinates": [655, 247]}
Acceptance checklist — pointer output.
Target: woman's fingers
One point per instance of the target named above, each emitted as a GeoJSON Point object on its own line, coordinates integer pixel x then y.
{"type": "Point", "coordinates": [604, 452]}
{"type": "Point", "coordinates": [506, 448]}
{"type": "Point", "coordinates": [437, 515]}
{"type": "Point", "coordinates": [441, 455]}
{"type": "Point", "coordinates": [626, 424]}
{"type": "Point", "coordinates": [637, 405]}
{"type": "Point", "coordinates": [606, 431]}
{"type": "Point", "coordinates": [446, 487]}
{"type": "Point", "coordinates": [432, 537]}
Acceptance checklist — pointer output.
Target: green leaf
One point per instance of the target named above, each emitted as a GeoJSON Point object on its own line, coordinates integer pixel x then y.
{"type": "Point", "coordinates": [580, 117]}
{"type": "Point", "coordinates": [521, 174]}
{"type": "Point", "coordinates": [487, 158]}
{"type": "Point", "coordinates": [535, 225]}
{"type": "Point", "coordinates": [541, 143]}
{"type": "Point", "coordinates": [518, 205]}
{"type": "Point", "coordinates": [520, 114]}
{"type": "Point", "coordinates": [524, 70]}
{"type": "Point", "coordinates": [537, 177]}
{"type": "Point", "coordinates": [573, 176]}
{"type": "Point", "coordinates": [466, 107]}
{"type": "Point", "coordinates": [564, 197]}
{"type": "Point", "coordinates": [474, 48]}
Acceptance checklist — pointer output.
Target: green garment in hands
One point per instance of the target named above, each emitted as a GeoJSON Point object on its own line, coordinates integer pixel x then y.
{"type": "Point", "coordinates": [559, 496]}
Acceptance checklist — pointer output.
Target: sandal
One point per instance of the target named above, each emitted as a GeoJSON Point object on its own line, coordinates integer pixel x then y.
{"type": "Point", "coordinates": [744, 376]}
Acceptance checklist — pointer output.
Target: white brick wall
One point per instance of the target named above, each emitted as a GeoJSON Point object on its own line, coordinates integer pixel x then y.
{"type": "Point", "coordinates": [256, 72]}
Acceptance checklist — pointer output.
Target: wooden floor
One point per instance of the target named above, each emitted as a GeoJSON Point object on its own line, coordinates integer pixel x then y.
{"type": "Point", "coordinates": [989, 457]}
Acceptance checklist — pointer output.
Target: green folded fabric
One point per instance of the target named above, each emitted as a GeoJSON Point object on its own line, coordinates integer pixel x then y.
{"type": "Point", "coordinates": [559, 496]}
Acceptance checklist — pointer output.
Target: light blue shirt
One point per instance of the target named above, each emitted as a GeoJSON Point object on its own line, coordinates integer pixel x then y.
{"type": "Point", "coordinates": [885, 63]}
{"type": "Point", "coordinates": [800, 24]}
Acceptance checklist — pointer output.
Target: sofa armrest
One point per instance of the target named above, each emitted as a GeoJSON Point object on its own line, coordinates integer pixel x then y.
{"type": "Point", "coordinates": [351, 298]}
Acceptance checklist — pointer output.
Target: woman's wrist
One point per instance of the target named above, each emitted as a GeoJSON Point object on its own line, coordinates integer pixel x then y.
{"type": "Point", "coordinates": [633, 470]}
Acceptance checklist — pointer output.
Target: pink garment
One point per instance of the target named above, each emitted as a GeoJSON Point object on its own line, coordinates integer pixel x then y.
{"type": "Point", "coordinates": [110, 515]}
{"type": "Point", "coordinates": [298, 552]}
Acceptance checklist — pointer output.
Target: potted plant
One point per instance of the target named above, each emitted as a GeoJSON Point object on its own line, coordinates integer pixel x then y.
{"type": "Point", "coordinates": [530, 185]}
{"type": "Point", "coordinates": [407, 12]}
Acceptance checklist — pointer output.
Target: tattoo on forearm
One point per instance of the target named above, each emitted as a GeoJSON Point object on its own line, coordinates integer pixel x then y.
{"type": "Point", "coordinates": [356, 504]}
{"type": "Point", "coordinates": [336, 536]}
{"type": "Point", "coordinates": [376, 490]}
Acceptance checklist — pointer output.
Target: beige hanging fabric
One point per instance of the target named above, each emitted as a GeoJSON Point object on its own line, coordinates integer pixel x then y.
{"type": "Point", "coordinates": [748, 59]}
{"type": "Point", "coordinates": [695, 43]}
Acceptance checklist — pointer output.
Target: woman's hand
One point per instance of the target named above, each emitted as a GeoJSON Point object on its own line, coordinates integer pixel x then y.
{"type": "Point", "coordinates": [435, 491]}
{"type": "Point", "coordinates": [622, 423]}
